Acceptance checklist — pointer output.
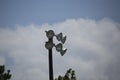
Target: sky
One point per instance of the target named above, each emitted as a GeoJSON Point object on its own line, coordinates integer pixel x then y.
{"type": "Point", "coordinates": [92, 28]}
{"type": "Point", "coordinates": [25, 12]}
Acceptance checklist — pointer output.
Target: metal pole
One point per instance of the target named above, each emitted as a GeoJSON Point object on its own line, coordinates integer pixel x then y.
{"type": "Point", "coordinates": [50, 63]}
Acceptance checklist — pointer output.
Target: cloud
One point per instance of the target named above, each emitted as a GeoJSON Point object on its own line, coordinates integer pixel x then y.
{"type": "Point", "coordinates": [93, 50]}
{"type": "Point", "coordinates": [2, 60]}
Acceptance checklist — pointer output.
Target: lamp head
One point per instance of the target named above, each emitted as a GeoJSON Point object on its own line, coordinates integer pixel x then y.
{"type": "Point", "coordinates": [62, 52]}
{"type": "Point", "coordinates": [59, 36]}
{"type": "Point", "coordinates": [59, 47]}
{"type": "Point", "coordinates": [63, 39]}
{"type": "Point", "coordinates": [49, 45]}
{"type": "Point", "coordinates": [50, 34]}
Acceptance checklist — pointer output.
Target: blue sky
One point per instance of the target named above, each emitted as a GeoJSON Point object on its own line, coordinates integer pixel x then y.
{"type": "Point", "coordinates": [25, 12]}
{"type": "Point", "coordinates": [93, 38]}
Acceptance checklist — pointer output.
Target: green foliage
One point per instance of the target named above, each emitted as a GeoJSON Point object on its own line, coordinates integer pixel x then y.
{"type": "Point", "coordinates": [3, 74]}
{"type": "Point", "coordinates": [69, 75]}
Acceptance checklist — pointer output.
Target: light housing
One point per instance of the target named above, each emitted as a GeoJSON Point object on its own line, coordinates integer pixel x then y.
{"type": "Point", "coordinates": [59, 47]}
{"type": "Point", "coordinates": [62, 52]}
{"type": "Point", "coordinates": [59, 36]}
{"type": "Point", "coordinates": [50, 34]}
{"type": "Point", "coordinates": [63, 39]}
{"type": "Point", "coordinates": [49, 45]}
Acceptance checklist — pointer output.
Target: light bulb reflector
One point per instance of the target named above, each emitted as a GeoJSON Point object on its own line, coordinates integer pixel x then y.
{"type": "Point", "coordinates": [50, 33]}
{"type": "Point", "coordinates": [49, 45]}
{"type": "Point", "coordinates": [63, 40]}
{"type": "Point", "coordinates": [59, 36]}
{"type": "Point", "coordinates": [59, 47]}
{"type": "Point", "coordinates": [62, 52]}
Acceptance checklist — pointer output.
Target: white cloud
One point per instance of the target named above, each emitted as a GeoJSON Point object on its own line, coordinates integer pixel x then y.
{"type": "Point", "coordinates": [93, 50]}
{"type": "Point", "coordinates": [2, 60]}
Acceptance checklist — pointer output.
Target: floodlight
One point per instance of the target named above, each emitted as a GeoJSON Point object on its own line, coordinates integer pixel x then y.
{"type": "Point", "coordinates": [50, 33]}
{"type": "Point", "coordinates": [59, 47]}
{"type": "Point", "coordinates": [63, 39]}
{"type": "Point", "coordinates": [49, 45]}
{"type": "Point", "coordinates": [62, 52]}
{"type": "Point", "coordinates": [59, 36]}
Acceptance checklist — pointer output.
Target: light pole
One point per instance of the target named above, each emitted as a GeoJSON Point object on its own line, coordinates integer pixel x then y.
{"type": "Point", "coordinates": [59, 47]}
